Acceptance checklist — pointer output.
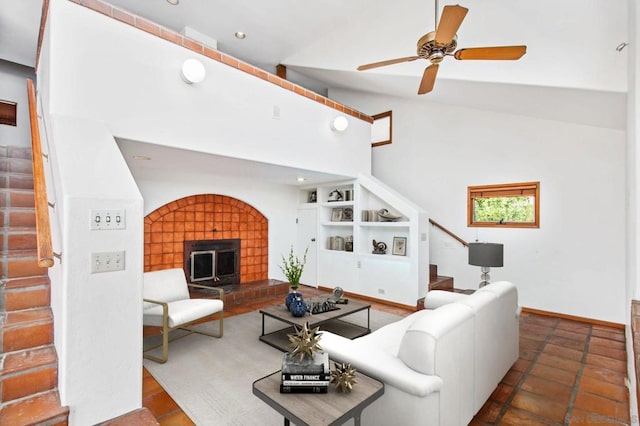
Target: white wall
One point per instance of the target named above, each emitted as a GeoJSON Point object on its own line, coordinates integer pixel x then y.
{"type": "Point", "coordinates": [278, 203]}
{"type": "Point", "coordinates": [13, 87]}
{"type": "Point", "coordinates": [131, 80]}
{"type": "Point", "coordinates": [573, 264]}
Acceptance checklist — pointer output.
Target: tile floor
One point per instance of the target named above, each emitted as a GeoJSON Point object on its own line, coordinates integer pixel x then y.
{"type": "Point", "coordinates": [568, 373]}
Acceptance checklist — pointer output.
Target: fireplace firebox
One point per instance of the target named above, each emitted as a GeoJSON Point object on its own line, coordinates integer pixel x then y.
{"type": "Point", "coordinates": [212, 262]}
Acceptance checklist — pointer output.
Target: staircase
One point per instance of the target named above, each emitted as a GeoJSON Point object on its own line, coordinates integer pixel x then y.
{"type": "Point", "coordinates": [28, 363]}
{"type": "Point", "coordinates": [436, 282]}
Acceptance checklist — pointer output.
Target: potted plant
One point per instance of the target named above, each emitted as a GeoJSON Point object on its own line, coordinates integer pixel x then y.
{"type": "Point", "coordinates": [292, 268]}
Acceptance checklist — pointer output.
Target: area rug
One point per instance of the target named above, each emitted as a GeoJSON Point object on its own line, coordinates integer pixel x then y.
{"type": "Point", "coordinates": [211, 378]}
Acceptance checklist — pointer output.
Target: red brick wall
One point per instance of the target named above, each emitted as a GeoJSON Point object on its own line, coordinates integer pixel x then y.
{"type": "Point", "coordinates": [206, 217]}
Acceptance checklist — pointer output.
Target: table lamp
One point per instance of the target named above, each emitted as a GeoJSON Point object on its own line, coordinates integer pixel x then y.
{"type": "Point", "coordinates": [486, 255]}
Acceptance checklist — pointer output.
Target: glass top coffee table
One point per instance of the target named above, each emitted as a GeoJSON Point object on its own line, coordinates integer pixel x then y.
{"type": "Point", "coordinates": [327, 321]}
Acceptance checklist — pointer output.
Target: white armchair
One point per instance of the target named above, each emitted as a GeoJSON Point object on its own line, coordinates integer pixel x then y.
{"type": "Point", "coordinates": [167, 304]}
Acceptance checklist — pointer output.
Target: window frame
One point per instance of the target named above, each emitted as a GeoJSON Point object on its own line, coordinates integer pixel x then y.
{"type": "Point", "coordinates": [387, 131]}
{"type": "Point", "coordinates": [504, 190]}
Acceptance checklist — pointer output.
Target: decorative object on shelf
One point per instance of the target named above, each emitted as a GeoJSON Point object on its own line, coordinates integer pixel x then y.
{"type": "Point", "coordinates": [370, 216]}
{"type": "Point", "coordinates": [312, 196]}
{"type": "Point", "coordinates": [348, 194]}
{"type": "Point", "coordinates": [335, 195]}
{"type": "Point", "coordinates": [336, 215]}
{"type": "Point", "coordinates": [348, 243]}
{"type": "Point", "coordinates": [336, 243]}
{"type": "Point", "coordinates": [385, 216]}
{"type": "Point", "coordinates": [321, 305]}
{"type": "Point", "coordinates": [292, 268]}
{"type": "Point", "coordinates": [379, 247]}
{"type": "Point", "coordinates": [338, 293]}
{"type": "Point", "coordinates": [347, 214]}
{"type": "Point", "coordinates": [486, 255]}
{"type": "Point", "coordinates": [298, 307]}
{"type": "Point", "coordinates": [304, 342]}
{"type": "Point", "coordinates": [343, 376]}
{"type": "Point", "coordinates": [399, 246]}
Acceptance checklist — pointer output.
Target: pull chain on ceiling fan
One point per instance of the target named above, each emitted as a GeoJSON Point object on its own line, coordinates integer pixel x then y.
{"type": "Point", "coordinates": [435, 45]}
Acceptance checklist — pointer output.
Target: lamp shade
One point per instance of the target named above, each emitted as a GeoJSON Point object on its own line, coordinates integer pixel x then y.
{"type": "Point", "coordinates": [486, 254]}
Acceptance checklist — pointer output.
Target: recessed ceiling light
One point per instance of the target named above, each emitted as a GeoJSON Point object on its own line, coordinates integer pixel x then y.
{"type": "Point", "coordinates": [240, 35]}
{"type": "Point", "coordinates": [301, 179]}
{"type": "Point", "coordinates": [141, 158]}
{"type": "Point", "coordinates": [173, 2]}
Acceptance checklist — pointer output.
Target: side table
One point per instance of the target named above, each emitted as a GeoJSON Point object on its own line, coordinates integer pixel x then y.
{"type": "Point", "coordinates": [332, 408]}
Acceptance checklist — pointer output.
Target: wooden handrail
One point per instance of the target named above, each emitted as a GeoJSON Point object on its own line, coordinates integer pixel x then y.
{"type": "Point", "coordinates": [43, 227]}
{"type": "Point", "coordinates": [446, 231]}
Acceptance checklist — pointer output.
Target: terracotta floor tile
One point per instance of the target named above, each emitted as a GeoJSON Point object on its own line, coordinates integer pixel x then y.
{"type": "Point", "coordinates": [522, 365]}
{"type": "Point", "coordinates": [567, 343]}
{"type": "Point", "coordinates": [559, 362]}
{"type": "Point", "coordinates": [539, 332]}
{"type": "Point", "coordinates": [601, 341]}
{"type": "Point", "coordinates": [580, 337]}
{"type": "Point", "coordinates": [608, 334]}
{"type": "Point", "coordinates": [620, 355]}
{"type": "Point", "coordinates": [530, 344]}
{"type": "Point", "coordinates": [541, 320]}
{"type": "Point", "coordinates": [563, 352]}
{"type": "Point", "coordinates": [599, 405]}
{"type": "Point", "coordinates": [553, 390]}
{"type": "Point", "coordinates": [585, 418]}
{"type": "Point", "coordinates": [540, 405]}
{"type": "Point", "coordinates": [575, 326]}
{"type": "Point", "coordinates": [502, 393]}
{"type": "Point", "coordinates": [489, 412]}
{"type": "Point", "coordinates": [512, 378]}
{"type": "Point", "coordinates": [554, 374]}
{"type": "Point", "coordinates": [609, 363]}
{"type": "Point", "coordinates": [604, 374]}
{"type": "Point", "coordinates": [605, 389]}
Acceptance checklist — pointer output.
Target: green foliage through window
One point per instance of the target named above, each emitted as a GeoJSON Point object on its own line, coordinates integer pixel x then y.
{"type": "Point", "coordinates": [506, 205]}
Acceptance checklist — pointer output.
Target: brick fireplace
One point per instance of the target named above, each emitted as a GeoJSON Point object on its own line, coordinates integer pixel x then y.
{"type": "Point", "coordinates": [206, 217]}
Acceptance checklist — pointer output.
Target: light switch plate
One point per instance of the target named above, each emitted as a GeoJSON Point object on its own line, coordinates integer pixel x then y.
{"type": "Point", "coordinates": [107, 219]}
{"type": "Point", "coordinates": [107, 261]}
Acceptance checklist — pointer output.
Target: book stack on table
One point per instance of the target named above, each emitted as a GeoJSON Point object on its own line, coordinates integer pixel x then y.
{"type": "Point", "coordinates": [309, 375]}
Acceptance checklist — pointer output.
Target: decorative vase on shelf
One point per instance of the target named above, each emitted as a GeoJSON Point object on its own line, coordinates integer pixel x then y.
{"type": "Point", "coordinates": [291, 296]}
{"type": "Point", "coordinates": [298, 307]}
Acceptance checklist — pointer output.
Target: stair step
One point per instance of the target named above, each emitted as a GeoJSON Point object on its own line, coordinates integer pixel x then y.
{"type": "Point", "coordinates": [16, 165]}
{"type": "Point", "coordinates": [139, 417]}
{"type": "Point", "coordinates": [26, 293]}
{"type": "Point", "coordinates": [22, 263]}
{"type": "Point", "coordinates": [433, 272]}
{"type": "Point", "coordinates": [41, 409]}
{"type": "Point", "coordinates": [16, 152]}
{"type": "Point", "coordinates": [21, 239]}
{"type": "Point", "coordinates": [21, 217]}
{"type": "Point", "coordinates": [16, 180]}
{"type": "Point", "coordinates": [16, 197]}
{"type": "Point", "coordinates": [441, 283]}
{"type": "Point", "coordinates": [28, 372]}
{"type": "Point", "coordinates": [26, 329]}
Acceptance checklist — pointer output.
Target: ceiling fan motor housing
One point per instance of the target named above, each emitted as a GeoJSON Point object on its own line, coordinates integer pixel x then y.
{"type": "Point", "coordinates": [435, 52]}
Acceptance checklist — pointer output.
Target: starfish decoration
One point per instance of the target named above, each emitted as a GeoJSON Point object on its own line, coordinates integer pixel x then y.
{"type": "Point", "coordinates": [304, 342]}
{"type": "Point", "coordinates": [343, 376]}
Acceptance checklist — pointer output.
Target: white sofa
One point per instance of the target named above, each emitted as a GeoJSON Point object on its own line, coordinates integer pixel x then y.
{"type": "Point", "coordinates": [438, 365]}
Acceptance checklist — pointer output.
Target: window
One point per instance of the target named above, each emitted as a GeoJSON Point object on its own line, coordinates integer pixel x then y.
{"type": "Point", "coordinates": [381, 129]}
{"type": "Point", "coordinates": [511, 205]}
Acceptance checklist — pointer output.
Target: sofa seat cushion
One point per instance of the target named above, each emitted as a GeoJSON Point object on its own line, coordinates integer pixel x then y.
{"type": "Point", "coordinates": [182, 311]}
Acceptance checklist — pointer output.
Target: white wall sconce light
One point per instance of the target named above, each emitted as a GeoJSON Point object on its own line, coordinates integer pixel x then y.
{"type": "Point", "coordinates": [340, 123]}
{"type": "Point", "coordinates": [193, 71]}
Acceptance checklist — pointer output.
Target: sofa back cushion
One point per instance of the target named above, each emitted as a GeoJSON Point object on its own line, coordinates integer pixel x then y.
{"type": "Point", "coordinates": [419, 346]}
{"type": "Point", "coordinates": [166, 285]}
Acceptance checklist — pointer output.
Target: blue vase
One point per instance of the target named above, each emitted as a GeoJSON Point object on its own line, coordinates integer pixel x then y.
{"type": "Point", "coordinates": [290, 297]}
{"type": "Point", "coordinates": [298, 307]}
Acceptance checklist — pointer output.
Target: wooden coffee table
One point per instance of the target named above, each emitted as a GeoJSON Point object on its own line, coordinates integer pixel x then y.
{"type": "Point", "coordinates": [327, 321]}
{"type": "Point", "coordinates": [332, 408]}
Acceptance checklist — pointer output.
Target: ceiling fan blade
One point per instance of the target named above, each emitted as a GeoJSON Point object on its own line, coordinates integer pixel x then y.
{"type": "Point", "coordinates": [450, 21]}
{"type": "Point", "coordinates": [388, 62]}
{"type": "Point", "coordinates": [428, 79]}
{"type": "Point", "coordinates": [489, 53]}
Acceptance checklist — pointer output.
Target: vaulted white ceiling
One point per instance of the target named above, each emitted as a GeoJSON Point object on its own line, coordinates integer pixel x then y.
{"type": "Point", "coordinates": [571, 71]}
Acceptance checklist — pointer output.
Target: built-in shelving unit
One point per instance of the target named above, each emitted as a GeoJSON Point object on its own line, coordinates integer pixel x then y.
{"type": "Point", "coordinates": [348, 224]}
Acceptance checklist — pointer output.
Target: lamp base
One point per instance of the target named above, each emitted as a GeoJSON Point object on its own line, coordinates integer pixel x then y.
{"type": "Point", "coordinates": [485, 277]}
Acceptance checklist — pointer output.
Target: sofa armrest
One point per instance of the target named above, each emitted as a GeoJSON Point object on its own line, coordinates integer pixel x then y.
{"type": "Point", "coordinates": [436, 298]}
{"type": "Point", "coordinates": [381, 365]}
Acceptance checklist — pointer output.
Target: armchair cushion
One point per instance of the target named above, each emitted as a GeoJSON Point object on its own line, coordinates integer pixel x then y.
{"type": "Point", "coordinates": [182, 311]}
{"type": "Point", "coordinates": [166, 285]}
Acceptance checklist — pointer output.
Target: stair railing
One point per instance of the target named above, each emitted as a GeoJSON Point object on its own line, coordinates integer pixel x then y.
{"type": "Point", "coordinates": [446, 231]}
{"type": "Point", "coordinates": [43, 227]}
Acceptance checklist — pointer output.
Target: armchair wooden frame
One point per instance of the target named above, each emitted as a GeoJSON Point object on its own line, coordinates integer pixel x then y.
{"type": "Point", "coordinates": [166, 329]}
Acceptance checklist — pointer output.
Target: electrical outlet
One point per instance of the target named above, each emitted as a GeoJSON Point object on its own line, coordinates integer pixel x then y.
{"type": "Point", "coordinates": [107, 261]}
{"type": "Point", "coordinates": [381, 291]}
{"type": "Point", "coordinates": [107, 219]}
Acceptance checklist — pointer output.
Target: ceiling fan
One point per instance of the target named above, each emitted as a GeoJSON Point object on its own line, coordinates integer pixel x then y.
{"type": "Point", "coordinates": [435, 45]}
